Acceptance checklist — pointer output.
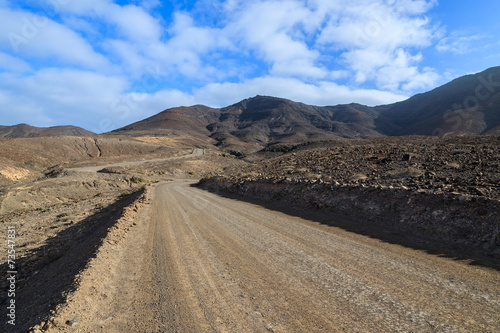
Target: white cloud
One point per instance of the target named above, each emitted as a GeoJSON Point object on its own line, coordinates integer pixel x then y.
{"type": "Point", "coordinates": [31, 35]}
{"type": "Point", "coordinates": [413, 7]}
{"type": "Point", "coordinates": [277, 30]}
{"type": "Point", "coordinates": [61, 95]}
{"type": "Point", "coordinates": [185, 51]}
{"type": "Point", "coordinates": [374, 37]}
{"type": "Point", "coordinates": [292, 35]}
{"type": "Point", "coordinates": [132, 62]}
{"type": "Point", "coordinates": [82, 8]}
{"type": "Point", "coordinates": [457, 44]}
{"type": "Point", "coordinates": [150, 4]}
{"type": "Point", "coordinates": [187, 36]}
{"type": "Point", "coordinates": [401, 70]}
{"type": "Point", "coordinates": [323, 93]}
{"type": "Point", "coordinates": [133, 22]}
{"type": "Point", "coordinates": [13, 64]}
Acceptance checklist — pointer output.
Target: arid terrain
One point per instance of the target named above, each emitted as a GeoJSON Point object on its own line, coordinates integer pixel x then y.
{"type": "Point", "coordinates": [62, 212]}
{"type": "Point", "coordinates": [397, 234]}
{"type": "Point", "coordinates": [199, 262]}
{"type": "Point", "coordinates": [264, 216]}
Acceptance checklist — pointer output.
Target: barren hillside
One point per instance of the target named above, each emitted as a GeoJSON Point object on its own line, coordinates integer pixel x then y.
{"type": "Point", "coordinates": [30, 158]}
{"type": "Point", "coordinates": [468, 105]}
{"type": "Point", "coordinates": [27, 131]}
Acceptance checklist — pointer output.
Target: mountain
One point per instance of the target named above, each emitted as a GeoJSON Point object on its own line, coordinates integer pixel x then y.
{"type": "Point", "coordinates": [27, 131]}
{"type": "Point", "coordinates": [258, 121]}
{"type": "Point", "coordinates": [469, 105]}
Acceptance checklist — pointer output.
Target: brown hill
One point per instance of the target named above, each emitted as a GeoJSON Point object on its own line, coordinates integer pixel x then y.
{"type": "Point", "coordinates": [176, 122]}
{"type": "Point", "coordinates": [27, 131]}
{"type": "Point", "coordinates": [257, 122]}
{"type": "Point", "coordinates": [469, 105]}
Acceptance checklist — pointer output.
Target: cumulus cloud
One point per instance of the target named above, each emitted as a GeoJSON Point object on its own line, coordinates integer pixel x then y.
{"type": "Point", "coordinates": [13, 64]}
{"type": "Point", "coordinates": [134, 23]}
{"type": "Point", "coordinates": [131, 21]}
{"type": "Point", "coordinates": [276, 31]}
{"type": "Point", "coordinates": [376, 39]}
{"type": "Point", "coordinates": [61, 95]}
{"type": "Point", "coordinates": [26, 34]}
{"type": "Point", "coordinates": [183, 52]}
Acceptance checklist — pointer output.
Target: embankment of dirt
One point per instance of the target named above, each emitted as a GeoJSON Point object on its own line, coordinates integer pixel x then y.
{"type": "Point", "coordinates": [50, 275]}
{"type": "Point", "coordinates": [467, 223]}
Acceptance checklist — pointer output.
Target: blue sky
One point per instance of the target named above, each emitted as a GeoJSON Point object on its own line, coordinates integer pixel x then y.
{"type": "Point", "coordinates": [102, 64]}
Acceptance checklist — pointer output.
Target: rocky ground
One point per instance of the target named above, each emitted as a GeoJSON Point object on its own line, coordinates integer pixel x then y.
{"type": "Point", "coordinates": [467, 166]}
{"type": "Point", "coordinates": [426, 192]}
{"type": "Point", "coordinates": [447, 188]}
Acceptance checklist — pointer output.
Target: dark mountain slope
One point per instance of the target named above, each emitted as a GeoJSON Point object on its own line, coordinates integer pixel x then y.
{"type": "Point", "coordinates": [259, 121]}
{"type": "Point", "coordinates": [469, 105]}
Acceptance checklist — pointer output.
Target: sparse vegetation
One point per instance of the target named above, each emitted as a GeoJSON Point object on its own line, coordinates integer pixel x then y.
{"type": "Point", "coordinates": [126, 194]}
{"type": "Point", "coordinates": [123, 195]}
{"type": "Point", "coordinates": [137, 180]}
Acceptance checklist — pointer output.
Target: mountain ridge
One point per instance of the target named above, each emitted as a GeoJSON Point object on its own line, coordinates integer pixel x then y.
{"type": "Point", "coordinates": [20, 131]}
{"type": "Point", "coordinates": [468, 105]}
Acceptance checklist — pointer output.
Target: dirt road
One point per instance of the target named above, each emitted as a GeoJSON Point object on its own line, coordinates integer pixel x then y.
{"type": "Point", "coordinates": [205, 263]}
{"type": "Point", "coordinates": [197, 152]}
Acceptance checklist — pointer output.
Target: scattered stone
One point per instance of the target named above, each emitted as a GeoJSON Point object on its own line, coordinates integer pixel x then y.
{"type": "Point", "coordinates": [101, 322]}
{"type": "Point", "coordinates": [72, 322]}
{"type": "Point", "coordinates": [47, 326]}
{"type": "Point", "coordinates": [481, 192]}
{"type": "Point", "coordinates": [406, 157]}
{"type": "Point", "coordinates": [270, 328]}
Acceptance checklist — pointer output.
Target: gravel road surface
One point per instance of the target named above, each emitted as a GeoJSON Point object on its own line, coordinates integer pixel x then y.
{"type": "Point", "coordinates": [199, 262]}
